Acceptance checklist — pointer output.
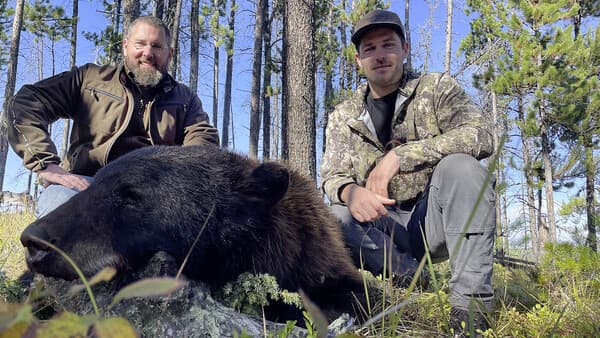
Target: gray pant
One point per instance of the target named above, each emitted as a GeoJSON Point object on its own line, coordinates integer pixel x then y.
{"type": "Point", "coordinates": [54, 196]}
{"type": "Point", "coordinates": [441, 213]}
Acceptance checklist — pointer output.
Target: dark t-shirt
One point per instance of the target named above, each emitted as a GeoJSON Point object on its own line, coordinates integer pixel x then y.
{"type": "Point", "coordinates": [382, 112]}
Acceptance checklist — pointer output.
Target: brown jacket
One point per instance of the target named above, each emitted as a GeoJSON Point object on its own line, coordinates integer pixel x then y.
{"type": "Point", "coordinates": [100, 104]}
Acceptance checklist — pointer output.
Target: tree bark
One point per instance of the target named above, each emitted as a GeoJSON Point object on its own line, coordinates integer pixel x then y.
{"type": "Point", "coordinates": [407, 32]}
{"type": "Point", "coordinates": [216, 60]}
{"type": "Point", "coordinates": [267, 89]}
{"type": "Point", "coordinates": [131, 10]}
{"type": "Point", "coordinates": [228, 77]}
{"type": "Point", "coordinates": [159, 9]}
{"type": "Point", "coordinates": [72, 63]}
{"type": "Point", "coordinates": [255, 88]}
{"type": "Point", "coordinates": [300, 75]}
{"type": "Point", "coordinates": [528, 172]}
{"type": "Point", "coordinates": [328, 95]}
{"type": "Point", "coordinates": [590, 205]}
{"type": "Point", "coordinates": [194, 45]}
{"type": "Point", "coordinates": [11, 78]}
{"type": "Point", "coordinates": [448, 57]}
{"type": "Point", "coordinates": [343, 61]}
{"type": "Point", "coordinates": [174, 19]}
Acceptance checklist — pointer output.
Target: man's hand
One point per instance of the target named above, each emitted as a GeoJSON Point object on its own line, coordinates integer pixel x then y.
{"type": "Point", "coordinates": [380, 176]}
{"type": "Point", "coordinates": [365, 205]}
{"type": "Point", "coordinates": [54, 174]}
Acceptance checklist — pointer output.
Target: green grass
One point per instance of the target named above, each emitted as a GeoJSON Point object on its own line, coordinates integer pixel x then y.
{"type": "Point", "coordinates": [560, 299]}
{"type": "Point", "coordinates": [12, 253]}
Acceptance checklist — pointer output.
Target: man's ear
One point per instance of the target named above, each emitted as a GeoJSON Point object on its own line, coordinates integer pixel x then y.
{"type": "Point", "coordinates": [357, 59]}
{"type": "Point", "coordinates": [124, 44]}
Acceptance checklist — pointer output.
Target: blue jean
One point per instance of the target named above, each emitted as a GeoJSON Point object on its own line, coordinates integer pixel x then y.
{"type": "Point", "coordinates": [440, 214]}
{"type": "Point", "coordinates": [54, 196]}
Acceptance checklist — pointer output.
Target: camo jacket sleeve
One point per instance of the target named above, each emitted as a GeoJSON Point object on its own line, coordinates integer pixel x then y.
{"type": "Point", "coordinates": [440, 103]}
{"type": "Point", "coordinates": [337, 165]}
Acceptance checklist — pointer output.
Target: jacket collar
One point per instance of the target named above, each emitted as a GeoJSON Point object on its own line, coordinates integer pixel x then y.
{"type": "Point", "coordinates": [361, 119]}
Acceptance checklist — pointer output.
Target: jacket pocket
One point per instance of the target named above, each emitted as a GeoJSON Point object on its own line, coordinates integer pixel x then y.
{"type": "Point", "coordinates": [97, 93]}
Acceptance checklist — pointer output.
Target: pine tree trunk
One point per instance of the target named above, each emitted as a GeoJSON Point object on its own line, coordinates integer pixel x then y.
{"type": "Point", "coordinates": [131, 10]}
{"type": "Point", "coordinates": [267, 90]}
{"type": "Point", "coordinates": [344, 45]}
{"type": "Point", "coordinates": [11, 78]}
{"type": "Point", "coordinates": [255, 87]}
{"type": "Point", "coordinates": [216, 63]}
{"type": "Point", "coordinates": [328, 95]}
{"type": "Point", "coordinates": [590, 202]}
{"type": "Point", "coordinates": [159, 9]}
{"type": "Point", "coordinates": [551, 223]}
{"type": "Point", "coordinates": [194, 45]}
{"type": "Point", "coordinates": [499, 168]}
{"type": "Point", "coordinates": [174, 19]}
{"type": "Point", "coordinates": [407, 32]}
{"type": "Point", "coordinates": [528, 172]}
{"type": "Point", "coordinates": [72, 63]}
{"type": "Point", "coordinates": [448, 57]}
{"type": "Point", "coordinates": [277, 126]}
{"type": "Point", "coordinates": [114, 51]}
{"type": "Point", "coordinates": [228, 78]}
{"type": "Point", "coordinates": [300, 74]}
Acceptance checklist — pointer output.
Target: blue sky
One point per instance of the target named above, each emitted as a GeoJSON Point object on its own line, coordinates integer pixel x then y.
{"type": "Point", "coordinates": [92, 20]}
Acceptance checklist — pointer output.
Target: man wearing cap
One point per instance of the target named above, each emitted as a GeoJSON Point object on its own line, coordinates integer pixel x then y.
{"type": "Point", "coordinates": [402, 173]}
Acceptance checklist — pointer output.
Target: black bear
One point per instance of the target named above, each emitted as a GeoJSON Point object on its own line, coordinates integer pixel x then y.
{"type": "Point", "coordinates": [251, 217]}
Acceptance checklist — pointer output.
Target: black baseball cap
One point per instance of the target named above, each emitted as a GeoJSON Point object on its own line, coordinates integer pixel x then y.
{"type": "Point", "coordinates": [375, 19]}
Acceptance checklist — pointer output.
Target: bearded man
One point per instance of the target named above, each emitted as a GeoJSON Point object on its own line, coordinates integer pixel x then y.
{"type": "Point", "coordinates": [115, 109]}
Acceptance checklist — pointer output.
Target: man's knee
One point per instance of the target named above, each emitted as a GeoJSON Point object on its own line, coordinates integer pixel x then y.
{"type": "Point", "coordinates": [51, 198]}
{"type": "Point", "coordinates": [459, 167]}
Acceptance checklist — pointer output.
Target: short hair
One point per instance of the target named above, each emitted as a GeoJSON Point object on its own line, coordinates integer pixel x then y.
{"type": "Point", "coordinates": [152, 21]}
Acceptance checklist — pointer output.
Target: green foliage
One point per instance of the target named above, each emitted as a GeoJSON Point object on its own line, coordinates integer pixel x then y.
{"type": "Point", "coordinates": [108, 41]}
{"type": "Point", "coordinates": [514, 288]}
{"type": "Point", "coordinates": [44, 20]}
{"type": "Point", "coordinates": [249, 293]}
{"type": "Point", "coordinates": [4, 38]}
{"type": "Point", "coordinates": [11, 291]}
{"type": "Point", "coordinates": [563, 264]}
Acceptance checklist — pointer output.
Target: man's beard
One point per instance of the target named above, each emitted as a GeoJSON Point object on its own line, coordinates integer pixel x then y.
{"type": "Point", "coordinates": [143, 76]}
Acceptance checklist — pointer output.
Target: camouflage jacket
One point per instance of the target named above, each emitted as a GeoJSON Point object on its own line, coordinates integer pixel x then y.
{"type": "Point", "coordinates": [433, 118]}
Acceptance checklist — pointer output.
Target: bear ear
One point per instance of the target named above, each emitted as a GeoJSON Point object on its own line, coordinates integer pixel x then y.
{"type": "Point", "coordinates": [267, 183]}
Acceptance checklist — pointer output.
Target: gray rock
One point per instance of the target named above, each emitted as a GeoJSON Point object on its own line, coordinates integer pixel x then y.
{"type": "Point", "coordinates": [188, 312]}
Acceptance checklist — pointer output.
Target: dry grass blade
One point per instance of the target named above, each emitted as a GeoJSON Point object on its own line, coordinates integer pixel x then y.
{"type": "Point", "coordinates": [146, 287]}
{"type": "Point", "coordinates": [194, 243]}
{"type": "Point", "coordinates": [317, 315]}
{"type": "Point", "coordinates": [103, 275]}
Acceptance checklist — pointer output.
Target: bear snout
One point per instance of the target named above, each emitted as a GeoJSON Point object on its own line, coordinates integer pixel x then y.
{"type": "Point", "coordinates": [32, 235]}
{"type": "Point", "coordinates": [37, 250]}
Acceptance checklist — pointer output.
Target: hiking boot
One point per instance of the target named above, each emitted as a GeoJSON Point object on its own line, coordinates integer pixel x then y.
{"type": "Point", "coordinates": [468, 323]}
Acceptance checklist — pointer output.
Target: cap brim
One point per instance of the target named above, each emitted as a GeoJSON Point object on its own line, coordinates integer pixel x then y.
{"type": "Point", "coordinates": [357, 36]}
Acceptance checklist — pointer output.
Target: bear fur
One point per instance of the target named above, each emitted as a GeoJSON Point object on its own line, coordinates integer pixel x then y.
{"type": "Point", "coordinates": [249, 216]}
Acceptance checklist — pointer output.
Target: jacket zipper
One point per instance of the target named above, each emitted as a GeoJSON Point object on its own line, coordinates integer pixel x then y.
{"type": "Point", "coordinates": [95, 91]}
